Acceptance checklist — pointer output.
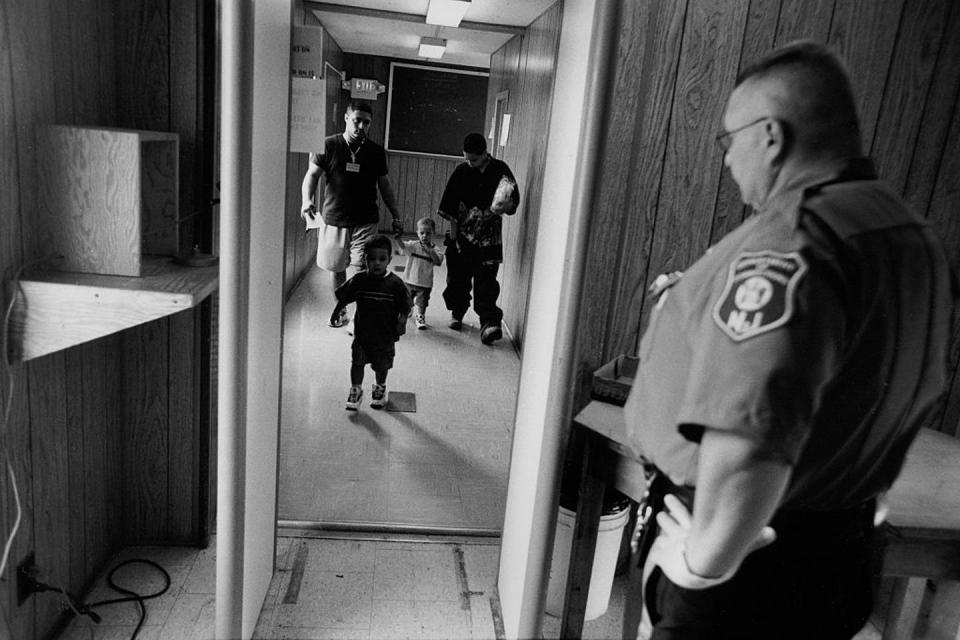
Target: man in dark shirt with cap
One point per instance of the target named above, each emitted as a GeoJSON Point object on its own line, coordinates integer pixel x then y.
{"type": "Point", "coordinates": [785, 374]}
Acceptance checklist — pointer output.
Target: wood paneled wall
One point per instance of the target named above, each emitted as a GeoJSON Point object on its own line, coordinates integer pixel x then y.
{"type": "Point", "coordinates": [103, 436]}
{"type": "Point", "coordinates": [664, 195]}
{"type": "Point", "coordinates": [301, 246]}
{"type": "Point", "coordinates": [524, 67]}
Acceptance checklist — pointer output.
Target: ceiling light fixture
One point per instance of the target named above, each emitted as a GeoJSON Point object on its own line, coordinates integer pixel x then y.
{"type": "Point", "coordinates": [432, 47]}
{"type": "Point", "coordinates": [447, 13]}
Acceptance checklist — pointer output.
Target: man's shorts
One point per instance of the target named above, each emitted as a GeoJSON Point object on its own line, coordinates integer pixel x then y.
{"type": "Point", "coordinates": [337, 245]}
{"type": "Point", "coordinates": [379, 357]}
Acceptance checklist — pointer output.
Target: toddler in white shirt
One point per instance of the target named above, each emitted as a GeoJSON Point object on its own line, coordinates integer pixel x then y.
{"type": "Point", "coordinates": [422, 257]}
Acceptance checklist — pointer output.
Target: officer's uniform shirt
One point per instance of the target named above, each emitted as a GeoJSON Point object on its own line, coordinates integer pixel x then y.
{"type": "Point", "coordinates": [818, 329]}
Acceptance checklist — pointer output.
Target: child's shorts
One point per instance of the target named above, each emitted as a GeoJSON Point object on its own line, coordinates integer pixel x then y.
{"type": "Point", "coordinates": [337, 245]}
{"type": "Point", "coordinates": [380, 357]}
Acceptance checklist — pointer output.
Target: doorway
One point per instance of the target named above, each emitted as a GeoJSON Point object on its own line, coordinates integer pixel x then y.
{"type": "Point", "coordinates": [435, 460]}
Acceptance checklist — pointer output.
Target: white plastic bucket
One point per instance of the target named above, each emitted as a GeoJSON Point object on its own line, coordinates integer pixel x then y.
{"type": "Point", "coordinates": [609, 534]}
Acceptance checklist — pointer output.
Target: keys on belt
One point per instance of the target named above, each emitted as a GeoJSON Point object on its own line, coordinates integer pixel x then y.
{"type": "Point", "coordinates": [645, 512]}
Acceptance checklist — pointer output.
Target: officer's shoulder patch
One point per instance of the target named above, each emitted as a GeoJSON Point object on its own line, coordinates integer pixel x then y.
{"type": "Point", "coordinates": [759, 293]}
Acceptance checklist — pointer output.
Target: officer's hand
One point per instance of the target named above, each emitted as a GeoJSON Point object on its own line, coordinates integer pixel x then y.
{"type": "Point", "coordinates": [397, 227]}
{"type": "Point", "coordinates": [669, 549]}
{"type": "Point", "coordinates": [882, 510]}
{"type": "Point", "coordinates": [663, 282]}
{"type": "Point", "coordinates": [308, 212]}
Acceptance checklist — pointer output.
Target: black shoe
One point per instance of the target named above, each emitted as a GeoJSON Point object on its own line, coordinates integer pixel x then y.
{"type": "Point", "coordinates": [490, 334]}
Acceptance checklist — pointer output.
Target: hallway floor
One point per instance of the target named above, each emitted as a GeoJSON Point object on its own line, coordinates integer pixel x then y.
{"type": "Point", "coordinates": [442, 466]}
{"type": "Point", "coordinates": [348, 587]}
{"type": "Point", "coordinates": [345, 587]}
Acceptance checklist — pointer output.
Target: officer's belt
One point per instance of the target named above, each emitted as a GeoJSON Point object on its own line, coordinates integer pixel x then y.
{"type": "Point", "coordinates": [658, 487]}
{"type": "Point", "coordinates": [790, 524]}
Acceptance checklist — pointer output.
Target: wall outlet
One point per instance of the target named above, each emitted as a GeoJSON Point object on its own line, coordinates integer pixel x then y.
{"type": "Point", "coordinates": [26, 578]}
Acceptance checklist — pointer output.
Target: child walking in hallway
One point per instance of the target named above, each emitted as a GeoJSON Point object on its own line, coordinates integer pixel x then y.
{"type": "Point", "coordinates": [422, 257]}
{"type": "Point", "coordinates": [383, 305]}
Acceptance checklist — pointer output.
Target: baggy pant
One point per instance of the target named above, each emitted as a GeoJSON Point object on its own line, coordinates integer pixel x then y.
{"type": "Point", "coordinates": [465, 273]}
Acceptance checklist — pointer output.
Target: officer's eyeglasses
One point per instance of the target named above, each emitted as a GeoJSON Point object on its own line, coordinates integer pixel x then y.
{"type": "Point", "coordinates": [725, 139]}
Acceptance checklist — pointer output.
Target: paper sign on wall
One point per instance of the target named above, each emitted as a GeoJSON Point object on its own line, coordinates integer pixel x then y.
{"type": "Point", "coordinates": [504, 130]}
{"type": "Point", "coordinates": [308, 102]}
{"type": "Point", "coordinates": [306, 52]}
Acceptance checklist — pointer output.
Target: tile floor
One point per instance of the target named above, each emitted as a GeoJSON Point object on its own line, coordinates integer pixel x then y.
{"type": "Point", "coordinates": [348, 587]}
{"type": "Point", "coordinates": [443, 466]}
{"type": "Point", "coordinates": [345, 587]}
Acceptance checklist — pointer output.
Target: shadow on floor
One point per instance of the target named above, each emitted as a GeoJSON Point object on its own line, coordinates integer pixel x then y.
{"type": "Point", "coordinates": [443, 466]}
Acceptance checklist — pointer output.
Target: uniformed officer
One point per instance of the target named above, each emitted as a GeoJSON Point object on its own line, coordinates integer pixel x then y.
{"type": "Point", "coordinates": [784, 375]}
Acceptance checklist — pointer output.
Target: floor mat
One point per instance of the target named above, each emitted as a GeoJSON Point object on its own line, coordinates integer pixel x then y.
{"type": "Point", "coordinates": [401, 401]}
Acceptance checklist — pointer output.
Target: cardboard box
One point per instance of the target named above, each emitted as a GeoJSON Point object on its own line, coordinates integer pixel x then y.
{"type": "Point", "coordinates": [612, 381]}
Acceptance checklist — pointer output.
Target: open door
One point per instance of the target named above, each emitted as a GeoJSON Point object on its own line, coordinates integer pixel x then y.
{"type": "Point", "coordinates": [254, 119]}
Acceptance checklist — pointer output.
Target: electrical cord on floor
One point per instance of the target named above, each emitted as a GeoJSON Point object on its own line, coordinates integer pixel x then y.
{"type": "Point", "coordinates": [86, 609]}
{"type": "Point", "coordinates": [133, 596]}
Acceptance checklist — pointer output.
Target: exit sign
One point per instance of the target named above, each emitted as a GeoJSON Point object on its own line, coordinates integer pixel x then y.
{"type": "Point", "coordinates": [363, 88]}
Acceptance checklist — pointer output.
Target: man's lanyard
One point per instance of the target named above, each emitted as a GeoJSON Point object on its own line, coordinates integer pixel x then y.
{"type": "Point", "coordinates": [353, 166]}
{"type": "Point", "coordinates": [353, 154]}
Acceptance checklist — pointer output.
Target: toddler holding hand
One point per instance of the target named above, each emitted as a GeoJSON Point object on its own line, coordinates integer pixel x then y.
{"type": "Point", "coordinates": [422, 257]}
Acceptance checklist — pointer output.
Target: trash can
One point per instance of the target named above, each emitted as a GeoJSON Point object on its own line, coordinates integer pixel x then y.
{"type": "Point", "coordinates": [614, 518]}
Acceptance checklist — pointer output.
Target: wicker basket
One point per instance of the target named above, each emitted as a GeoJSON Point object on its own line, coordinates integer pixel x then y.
{"type": "Point", "coordinates": [612, 381]}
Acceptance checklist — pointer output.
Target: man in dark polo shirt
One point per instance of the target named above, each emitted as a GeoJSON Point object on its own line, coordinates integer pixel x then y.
{"type": "Point", "coordinates": [478, 194]}
{"type": "Point", "coordinates": [354, 168]}
{"type": "Point", "coordinates": [784, 375]}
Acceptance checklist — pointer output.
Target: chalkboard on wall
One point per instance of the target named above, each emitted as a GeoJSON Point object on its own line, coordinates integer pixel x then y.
{"type": "Point", "coordinates": [431, 109]}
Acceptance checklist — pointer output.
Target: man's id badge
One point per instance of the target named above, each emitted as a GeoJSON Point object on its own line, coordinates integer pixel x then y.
{"type": "Point", "coordinates": [759, 293]}
{"type": "Point", "coordinates": [353, 167]}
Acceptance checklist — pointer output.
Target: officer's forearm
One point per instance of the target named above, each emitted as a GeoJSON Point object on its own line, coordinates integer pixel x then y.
{"type": "Point", "coordinates": [737, 494]}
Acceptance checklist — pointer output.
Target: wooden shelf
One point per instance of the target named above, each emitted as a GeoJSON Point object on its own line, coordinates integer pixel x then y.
{"type": "Point", "coordinates": [56, 310]}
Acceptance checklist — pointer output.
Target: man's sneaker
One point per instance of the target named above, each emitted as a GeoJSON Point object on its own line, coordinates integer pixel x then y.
{"type": "Point", "coordinates": [378, 398]}
{"type": "Point", "coordinates": [490, 334]}
{"type": "Point", "coordinates": [354, 398]}
{"type": "Point", "coordinates": [420, 320]}
{"type": "Point", "coordinates": [340, 320]}
{"type": "Point", "coordinates": [456, 323]}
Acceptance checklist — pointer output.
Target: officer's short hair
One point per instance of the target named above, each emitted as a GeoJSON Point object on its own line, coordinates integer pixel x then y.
{"type": "Point", "coordinates": [474, 143]}
{"type": "Point", "coordinates": [428, 222]}
{"type": "Point", "coordinates": [378, 241]}
{"type": "Point", "coordinates": [359, 105]}
{"type": "Point", "coordinates": [812, 94]}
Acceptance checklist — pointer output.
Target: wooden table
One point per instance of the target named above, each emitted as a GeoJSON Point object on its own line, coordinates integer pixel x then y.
{"type": "Point", "coordinates": [922, 534]}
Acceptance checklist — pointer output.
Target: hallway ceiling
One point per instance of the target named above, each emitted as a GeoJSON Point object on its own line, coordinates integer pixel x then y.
{"type": "Point", "coordinates": [392, 28]}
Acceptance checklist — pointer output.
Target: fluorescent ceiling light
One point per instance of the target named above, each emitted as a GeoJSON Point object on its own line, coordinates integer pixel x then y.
{"type": "Point", "coordinates": [432, 47]}
{"type": "Point", "coordinates": [448, 13]}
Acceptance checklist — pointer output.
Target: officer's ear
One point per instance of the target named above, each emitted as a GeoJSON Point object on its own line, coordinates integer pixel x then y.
{"type": "Point", "coordinates": [777, 139]}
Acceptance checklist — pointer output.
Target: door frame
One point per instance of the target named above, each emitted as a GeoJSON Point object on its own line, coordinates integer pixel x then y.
{"type": "Point", "coordinates": [251, 332]}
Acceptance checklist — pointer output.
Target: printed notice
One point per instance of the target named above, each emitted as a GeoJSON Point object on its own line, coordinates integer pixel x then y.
{"type": "Point", "coordinates": [308, 114]}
